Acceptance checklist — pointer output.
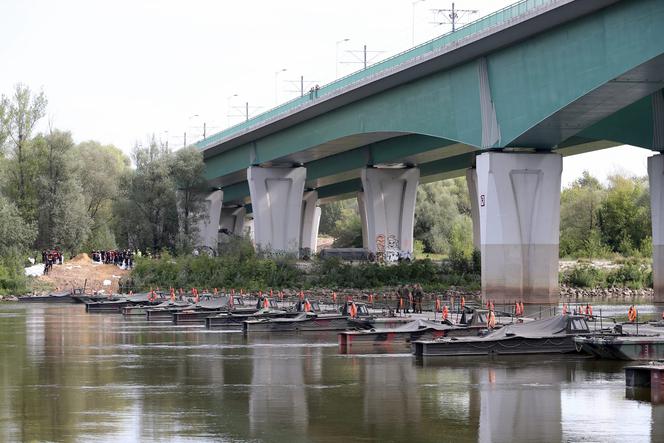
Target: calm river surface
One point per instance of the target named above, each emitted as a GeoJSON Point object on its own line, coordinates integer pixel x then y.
{"type": "Point", "coordinates": [70, 376]}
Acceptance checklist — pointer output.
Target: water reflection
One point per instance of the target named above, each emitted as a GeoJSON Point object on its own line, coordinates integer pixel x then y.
{"type": "Point", "coordinates": [66, 375]}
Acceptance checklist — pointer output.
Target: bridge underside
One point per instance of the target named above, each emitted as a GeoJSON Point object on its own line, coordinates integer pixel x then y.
{"type": "Point", "coordinates": [567, 78]}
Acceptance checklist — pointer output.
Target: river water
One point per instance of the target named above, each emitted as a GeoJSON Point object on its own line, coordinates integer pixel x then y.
{"type": "Point", "coordinates": [70, 376]}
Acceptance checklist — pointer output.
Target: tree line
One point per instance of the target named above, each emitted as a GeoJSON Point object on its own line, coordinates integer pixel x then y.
{"type": "Point", "coordinates": [55, 193]}
{"type": "Point", "coordinates": [596, 220]}
{"type": "Point", "coordinates": [88, 196]}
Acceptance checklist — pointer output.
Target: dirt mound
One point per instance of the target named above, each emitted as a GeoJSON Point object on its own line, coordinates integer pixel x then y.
{"type": "Point", "coordinates": [82, 271]}
{"type": "Point", "coordinates": [82, 257]}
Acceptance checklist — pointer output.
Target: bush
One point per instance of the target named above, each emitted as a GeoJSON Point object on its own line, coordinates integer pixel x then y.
{"type": "Point", "coordinates": [12, 276]}
{"type": "Point", "coordinates": [633, 274]}
{"type": "Point", "coordinates": [584, 276]}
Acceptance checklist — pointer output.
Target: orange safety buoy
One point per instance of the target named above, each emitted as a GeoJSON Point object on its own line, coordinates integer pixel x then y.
{"type": "Point", "coordinates": [401, 303]}
{"type": "Point", "coordinates": [307, 306]}
{"type": "Point", "coordinates": [266, 303]}
{"type": "Point", "coordinates": [445, 312]}
{"type": "Point", "coordinates": [517, 308]}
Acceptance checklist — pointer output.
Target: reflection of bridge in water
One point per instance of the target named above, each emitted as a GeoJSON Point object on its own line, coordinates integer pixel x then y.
{"type": "Point", "coordinates": [94, 377]}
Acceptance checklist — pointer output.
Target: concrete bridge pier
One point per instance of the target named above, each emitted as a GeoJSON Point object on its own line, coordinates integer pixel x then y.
{"type": "Point", "coordinates": [471, 182]}
{"type": "Point", "coordinates": [361, 208]}
{"type": "Point", "coordinates": [231, 222]}
{"type": "Point", "coordinates": [519, 211]}
{"type": "Point", "coordinates": [656, 179]}
{"type": "Point", "coordinates": [309, 224]}
{"type": "Point", "coordinates": [389, 209]}
{"type": "Point", "coordinates": [276, 199]}
{"type": "Point", "coordinates": [208, 225]}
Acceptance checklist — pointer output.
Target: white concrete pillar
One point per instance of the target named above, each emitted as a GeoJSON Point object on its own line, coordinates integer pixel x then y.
{"type": "Point", "coordinates": [519, 207]}
{"type": "Point", "coordinates": [656, 179]}
{"type": "Point", "coordinates": [232, 222]}
{"type": "Point", "coordinates": [361, 208]}
{"type": "Point", "coordinates": [276, 199]}
{"type": "Point", "coordinates": [389, 197]}
{"type": "Point", "coordinates": [309, 223]}
{"type": "Point", "coordinates": [208, 225]}
{"type": "Point", "coordinates": [471, 181]}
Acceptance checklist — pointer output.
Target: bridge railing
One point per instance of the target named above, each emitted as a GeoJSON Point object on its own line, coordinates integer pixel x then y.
{"type": "Point", "coordinates": [489, 21]}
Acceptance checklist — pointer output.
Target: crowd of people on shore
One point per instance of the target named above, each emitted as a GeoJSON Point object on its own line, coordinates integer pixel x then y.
{"type": "Point", "coordinates": [123, 258]}
{"type": "Point", "coordinates": [51, 257]}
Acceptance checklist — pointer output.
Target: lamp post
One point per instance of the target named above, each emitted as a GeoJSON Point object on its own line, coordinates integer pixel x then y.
{"type": "Point", "coordinates": [228, 109]}
{"type": "Point", "coordinates": [189, 126]}
{"type": "Point", "coordinates": [413, 24]}
{"type": "Point", "coordinates": [336, 60]}
{"type": "Point", "coordinates": [276, 85]}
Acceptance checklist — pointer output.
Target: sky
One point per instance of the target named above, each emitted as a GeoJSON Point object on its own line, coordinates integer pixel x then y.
{"type": "Point", "coordinates": [122, 71]}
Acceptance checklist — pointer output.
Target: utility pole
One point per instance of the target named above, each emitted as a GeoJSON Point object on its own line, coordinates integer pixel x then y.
{"type": "Point", "coordinates": [364, 56]}
{"type": "Point", "coordinates": [299, 86]}
{"type": "Point", "coordinates": [184, 145]}
{"type": "Point", "coordinates": [204, 128]}
{"type": "Point", "coordinates": [243, 111]}
{"type": "Point", "coordinates": [452, 16]}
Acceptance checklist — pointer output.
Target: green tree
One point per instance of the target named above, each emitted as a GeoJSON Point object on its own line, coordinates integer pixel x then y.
{"type": "Point", "coordinates": [624, 215]}
{"type": "Point", "coordinates": [54, 168]}
{"type": "Point", "coordinates": [329, 215]}
{"type": "Point", "coordinates": [71, 222]}
{"type": "Point", "coordinates": [101, 169]}
{"type": "Point", "coordinates": [579, 208]}
{"type": "Point", "coordinates": [347, 232]}
{"type": "Point", "coordinates": [440, 206]}
{"type": "Point", "coordinates": [16, 235]}
{"type": "Point", "coordinates": [187, 171]}
{"type": "Point", "coordinates": [147, 211]}
{"type": "Point", "coordinates": [21, 112]}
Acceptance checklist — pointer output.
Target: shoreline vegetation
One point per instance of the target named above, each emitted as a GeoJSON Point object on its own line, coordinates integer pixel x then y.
{"type": "Point", "coordinates": [240, 267]}
{"type": "Point", "coordinates": [78, 197]}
